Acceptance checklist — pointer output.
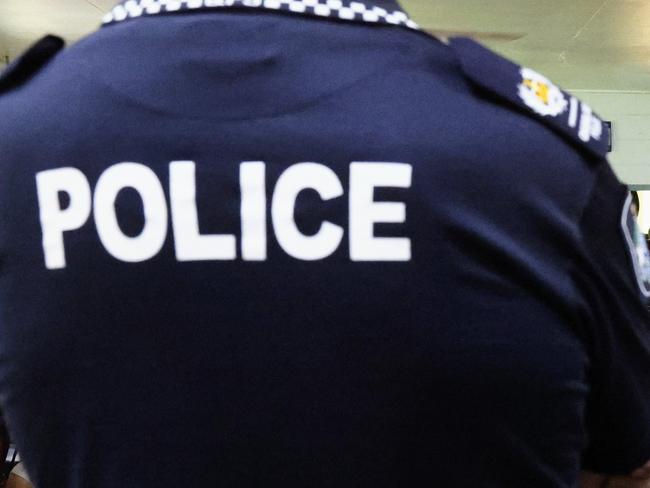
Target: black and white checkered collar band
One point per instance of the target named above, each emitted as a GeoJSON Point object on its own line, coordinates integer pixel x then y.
{"type": "Point", "coordinates": [373, 12]}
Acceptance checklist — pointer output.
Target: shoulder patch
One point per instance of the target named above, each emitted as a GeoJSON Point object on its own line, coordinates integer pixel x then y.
{"type": "Point", "coordinates": [637, 247]}
{"type": "Point", "coordinates": [534, 94]}
{"type": "Point", "coordinates": [35, 58]}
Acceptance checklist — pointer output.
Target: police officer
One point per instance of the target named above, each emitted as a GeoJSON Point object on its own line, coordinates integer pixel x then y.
{"type": "Point", "coordinates": [302, 243]}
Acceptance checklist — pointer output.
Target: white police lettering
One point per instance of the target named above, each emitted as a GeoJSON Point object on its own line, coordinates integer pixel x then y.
{"type": "Point", "coordinates": [591, 127]}
{"type": "Point", "coordinates": [56, 220]}
{"type": "Point", "coordinates": [365, 212]}
{"type": "Point", "coordinates": [294, 180]}
{"type": "Point", "coordinates": [252, 182]}
{"type": "Point", "coordinates": [153, 235]}
{"type": "Point", "coordinates": [190, 245]}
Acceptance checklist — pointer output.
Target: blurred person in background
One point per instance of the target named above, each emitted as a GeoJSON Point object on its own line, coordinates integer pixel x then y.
{"type": "Point", "coordinates": [18, 478]}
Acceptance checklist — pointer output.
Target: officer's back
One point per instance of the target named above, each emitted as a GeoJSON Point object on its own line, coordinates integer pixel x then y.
{"type": "Point", "coordinates": [245, 248]}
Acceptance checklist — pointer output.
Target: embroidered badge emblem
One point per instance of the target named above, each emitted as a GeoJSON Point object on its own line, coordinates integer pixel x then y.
{"type": "Point", "coordinates": [540, 94]}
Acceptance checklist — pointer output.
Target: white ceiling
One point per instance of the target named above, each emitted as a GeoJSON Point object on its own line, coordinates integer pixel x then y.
{"type": "Point", "coordinates": [582, 44]}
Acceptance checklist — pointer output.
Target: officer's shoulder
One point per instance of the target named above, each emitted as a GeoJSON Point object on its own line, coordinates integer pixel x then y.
{"type": "Point", "coordinates": [21, 70]}
{"type": "Point", "coordinates": [531, 93]}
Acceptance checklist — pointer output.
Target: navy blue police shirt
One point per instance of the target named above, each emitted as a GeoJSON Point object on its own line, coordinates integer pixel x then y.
{"type": "Point", "coordinates": [302, 243]}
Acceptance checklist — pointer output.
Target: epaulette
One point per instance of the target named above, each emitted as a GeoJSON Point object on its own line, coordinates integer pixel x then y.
{"type": "Point", "coordinates": [533, 94]}
{"type": "Point", "coordinates": [27, 65]}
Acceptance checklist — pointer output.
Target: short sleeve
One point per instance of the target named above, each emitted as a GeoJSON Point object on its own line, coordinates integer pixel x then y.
{"type": "Point", "coordinates": [611, 274]}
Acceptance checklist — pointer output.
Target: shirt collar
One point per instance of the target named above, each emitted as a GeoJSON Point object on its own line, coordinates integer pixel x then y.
{"type": "Point", "coordinates": [368, 11]}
